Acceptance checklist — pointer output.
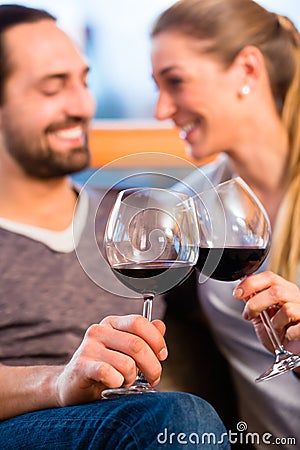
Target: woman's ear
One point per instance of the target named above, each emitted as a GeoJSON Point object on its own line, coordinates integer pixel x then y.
{"type": "Point", "coordinates": [250, 65]}
{"type": "Point", "coordinates": [251, 61]}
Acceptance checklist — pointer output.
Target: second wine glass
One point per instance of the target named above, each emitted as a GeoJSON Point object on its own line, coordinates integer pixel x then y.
{"type": "Point", "coordinates": [151, 243]}
{"type": "Point", "coordinates": [235, 237]}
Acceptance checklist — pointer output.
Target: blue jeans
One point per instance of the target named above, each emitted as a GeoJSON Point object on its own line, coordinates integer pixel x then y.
{"type": "Point", "coordinates": [147, 421]}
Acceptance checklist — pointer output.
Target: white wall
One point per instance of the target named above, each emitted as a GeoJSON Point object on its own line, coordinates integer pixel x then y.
{"type": "Point", "coordinates": [288, 8]}
{"type": "Point", "coordinates": [120, 47]}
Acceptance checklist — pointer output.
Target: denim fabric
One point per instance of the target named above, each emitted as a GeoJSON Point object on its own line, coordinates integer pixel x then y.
{"type": "Point", "coordinates": [147, 421]}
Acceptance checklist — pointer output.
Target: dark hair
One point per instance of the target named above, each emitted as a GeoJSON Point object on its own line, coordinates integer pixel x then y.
{"type": "Point", "coordinates": [10, 16]}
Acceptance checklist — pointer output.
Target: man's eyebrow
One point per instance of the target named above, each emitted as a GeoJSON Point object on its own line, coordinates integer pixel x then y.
{"type": "Point", "coordinates": [53, 76]}
{"type": "Point", "coordinates": [62, 75]}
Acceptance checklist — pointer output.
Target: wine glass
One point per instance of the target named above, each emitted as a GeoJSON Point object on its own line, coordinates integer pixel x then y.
{"type": "Point", "coordinates": [235, 237]}
{"type": "Point", "coordinates": [151, 242]}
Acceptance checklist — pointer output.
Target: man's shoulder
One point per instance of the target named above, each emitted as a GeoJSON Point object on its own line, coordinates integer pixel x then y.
{"type": "Point", "coordinates": [100, 199]}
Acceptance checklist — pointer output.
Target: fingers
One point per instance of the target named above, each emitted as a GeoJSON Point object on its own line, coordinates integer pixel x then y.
{"type": "Point", "coordinates": [150, 332]}
{"type": "Point", "coordinates": [293, 332]}
{"type": "Point", "coordinates": [281, 298]}
{"type": "Point", "coordinates": [109, 356]}
{"type": "Point", "coordinates": [288, 319]}
{"type": "Point", "coordinates": [129, 342]}
{"type": "Point", "coordinates": [264, 290]}
{"type": "Point", "coordinates": [104, 373]}
{"type": "Point", "coordinates": [255, 284]}
{"type": "Point", "coordinates": [160, 326]}
{"type": "Point", "coordinates": [83, 379]}
{"type": "Point", "coordinates": [125, 352]}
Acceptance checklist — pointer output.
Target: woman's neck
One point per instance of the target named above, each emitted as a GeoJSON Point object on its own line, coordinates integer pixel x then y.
{"type": "Point", "coordinates": [262, 163]}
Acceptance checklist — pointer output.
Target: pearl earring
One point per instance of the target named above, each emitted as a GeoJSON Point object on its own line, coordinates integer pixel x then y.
{"type": "Point", "coordinates": [245, 90]}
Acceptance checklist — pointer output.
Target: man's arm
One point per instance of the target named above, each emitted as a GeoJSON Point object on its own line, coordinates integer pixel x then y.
{"type": "Point", "coordinates": [24, 389]}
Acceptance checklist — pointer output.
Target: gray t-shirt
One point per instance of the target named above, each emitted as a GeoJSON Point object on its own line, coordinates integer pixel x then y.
{"type": "Point", "coordinates": [48, 297]}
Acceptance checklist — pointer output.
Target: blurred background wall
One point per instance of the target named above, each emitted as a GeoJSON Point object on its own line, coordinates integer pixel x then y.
{"type": "Point", "coordinates": [114, 35]}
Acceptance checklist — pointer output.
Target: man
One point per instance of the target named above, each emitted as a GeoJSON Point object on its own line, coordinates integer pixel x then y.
{"type": "Point", "coordinates": [56, 358]}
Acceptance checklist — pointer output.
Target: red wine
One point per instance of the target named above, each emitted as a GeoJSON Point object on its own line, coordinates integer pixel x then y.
{"type": "Point", "coordinates": [154, 277]}
{"type": "Point", "coordinates": [230, 263]}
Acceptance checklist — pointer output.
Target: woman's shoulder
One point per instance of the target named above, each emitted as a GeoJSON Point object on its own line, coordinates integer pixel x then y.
{"type": "Point", "coordinates": [206, 176]}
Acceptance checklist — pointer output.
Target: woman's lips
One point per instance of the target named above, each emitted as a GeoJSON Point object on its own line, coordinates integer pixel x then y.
{"type": "Point", "coordinates": [188, 129]}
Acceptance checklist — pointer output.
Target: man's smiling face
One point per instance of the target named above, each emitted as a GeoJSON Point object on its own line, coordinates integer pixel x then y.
{"type": "Point", "coordinates": [46, 107]}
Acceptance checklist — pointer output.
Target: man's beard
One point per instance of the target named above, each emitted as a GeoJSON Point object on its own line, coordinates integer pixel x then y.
{"type": "Point", "coordinates": [46, 163]}
{"type": "Point", "coordinates": [53, 164]}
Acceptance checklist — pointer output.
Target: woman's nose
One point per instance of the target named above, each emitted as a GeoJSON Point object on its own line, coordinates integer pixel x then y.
{"type": "Point", "coordinates": [165, 107]}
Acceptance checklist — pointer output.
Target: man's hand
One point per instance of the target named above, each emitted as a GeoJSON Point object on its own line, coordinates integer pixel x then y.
{"type": "Point", "coordinates": [110, 355]}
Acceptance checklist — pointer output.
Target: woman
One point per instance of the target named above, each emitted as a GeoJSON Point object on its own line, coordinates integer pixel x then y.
{"type": "Point", "coordinates": [228, 74]}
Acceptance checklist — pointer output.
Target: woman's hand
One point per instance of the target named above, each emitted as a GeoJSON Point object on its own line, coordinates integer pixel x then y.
{"type": "Point", "coordinates": [110, 355]}
{"type": "Point", "coordinates": [281, 299]}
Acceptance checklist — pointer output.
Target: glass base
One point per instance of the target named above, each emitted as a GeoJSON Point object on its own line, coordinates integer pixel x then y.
{"type": "Point", "coordinates": [136, 388]}
{"type": "Point", "coordinates": [284, 362]}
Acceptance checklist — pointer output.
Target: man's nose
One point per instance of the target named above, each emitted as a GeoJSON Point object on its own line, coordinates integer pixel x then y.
{"type": "Point", "coordinates": [80, 102]}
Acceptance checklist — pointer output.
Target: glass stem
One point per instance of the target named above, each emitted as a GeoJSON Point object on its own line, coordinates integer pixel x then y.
{"type": "Point", "coordinates": [147, 312]}
{"type": "Point", "coordinates": [147, 307]}
{"type": "Point", "coordinates": [272, 333]}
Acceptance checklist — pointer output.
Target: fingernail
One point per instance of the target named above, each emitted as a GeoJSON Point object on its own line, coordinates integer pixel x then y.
{"type": "Point", "coordinates": [163, 354]}
{"type": "Point", "coordinates": [246, 316]}
{"type": "Point", "coordinates": [156, 382]}
{"type": "Point", "coordinates": [238, 292]}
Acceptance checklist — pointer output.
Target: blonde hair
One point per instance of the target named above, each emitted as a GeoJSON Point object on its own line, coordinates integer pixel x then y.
{"type": "Point", "coordinates": [285, 254]}
{"type": "Point", "coordinates": [224, 29]}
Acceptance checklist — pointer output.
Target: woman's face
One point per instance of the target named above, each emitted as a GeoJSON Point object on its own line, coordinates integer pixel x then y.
{"type": "Point", "coordinates": [197, 93]}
